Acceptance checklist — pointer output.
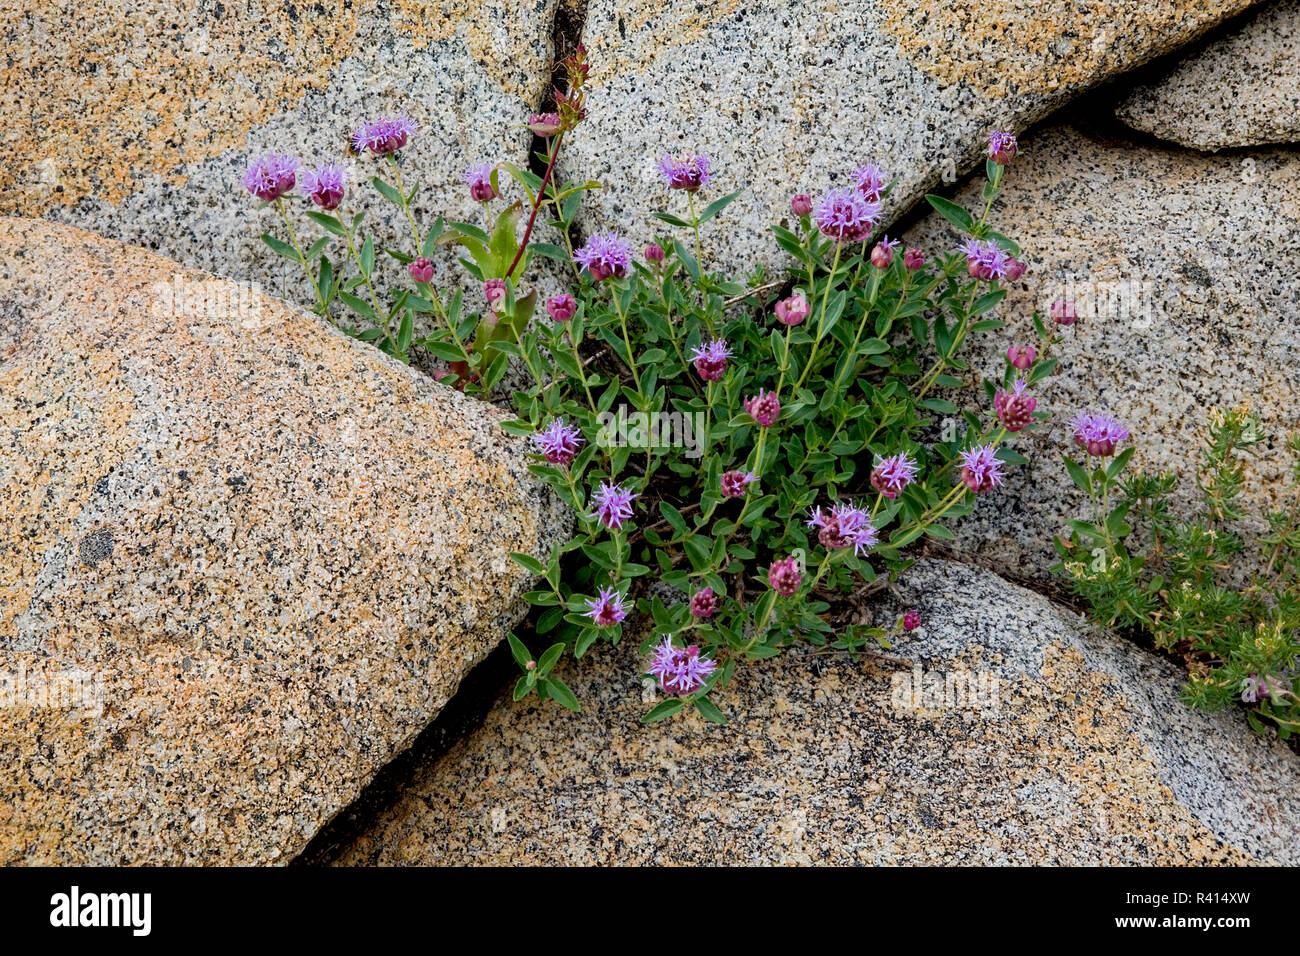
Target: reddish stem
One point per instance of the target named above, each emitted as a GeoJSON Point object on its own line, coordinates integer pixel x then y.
{"type": "Point", "coordinates": [532, 218]}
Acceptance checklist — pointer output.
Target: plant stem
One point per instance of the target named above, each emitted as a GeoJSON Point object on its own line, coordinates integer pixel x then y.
{"type": "Point", "coordinates": [302, 260]}
{"type": "Point", "coordinates": [826, 295]}
{"type": "Point", "coordinates": [537, 204]}
{"type": "Point", "coordinates": [406, 207]}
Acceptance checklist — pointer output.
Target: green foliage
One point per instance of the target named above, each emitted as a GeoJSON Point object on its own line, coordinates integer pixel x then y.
{"type": "Point", "coordinates": [868, 374]}
{"type": "Point", "coordinates": [1233, 612]}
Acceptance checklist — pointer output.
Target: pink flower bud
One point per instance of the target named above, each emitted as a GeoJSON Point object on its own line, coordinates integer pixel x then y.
{"type": "Point", "coordinates": [1021, 357]}
{"type": "Point", "coordinates": [1063, 313]}
{"type": "Point", "coordinates": [793, 310]}
{"type": "Point", "coordinates": [1014, 409]}
{"type": "Point", "coordinates": [801, 204]}
{"type": "Point", "coordinates": [764, 408]}
{"type": "Point", "coordinates": [654, 253]}
{"type": "Point", "coordinates": [911, 621]}
{"type": "Point", "coordinates": [495, 292]}
{"type": "Point", "coordinates": [1015, 268]}
{"type": "Point", "coordinates": [784, 576]}
{"type": "Point", "coordinates": [704, 603]}
{"type": "Point", "coordinates": [561, 308]}
{"type": "Point", "coordinates": [544, 124]}
{"type": "Point", "coordinates": [421, 269]}
{"type": "Point", "coordinates": [882, 256]}
{"type": "Point", "coordinates": [913, 259]}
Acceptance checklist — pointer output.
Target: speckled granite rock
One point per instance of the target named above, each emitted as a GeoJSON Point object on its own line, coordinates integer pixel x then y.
{"type": "Point", "coordinates": [1066, 746]}
{"type": "Point", "coordinates": [249, 557]}
{"type": "Point", "coordinates": [136, 118]}
{"type": "Point", "coordinates": [785, 94]}
{"type": "Point", "coordinates": [1188, 291]}
{"type": "Point", "coordinates": [1241, 90]}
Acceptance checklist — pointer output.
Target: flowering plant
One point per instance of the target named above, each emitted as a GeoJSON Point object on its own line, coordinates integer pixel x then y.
{"type": "Point", "coordinates": [748, 460]}
{"type": "Point", "coordinates": [1184, 582]}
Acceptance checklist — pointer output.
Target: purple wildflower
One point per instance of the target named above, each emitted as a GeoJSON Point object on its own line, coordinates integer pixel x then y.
{"type": "Point", "coordinates": [784, 576]}
{"type": "Point", "coordinates": [711, 360]}
{"type": "Point", "coordinates": [479, 180]}
{"type": "Point", "coordinates": [689, 172]}
{"type": "Point", "coordinates": [271, 176]}
{"type": "Point", "coordinates": [844, 525]}
{"type": "Point", "coordinates": [764, 408]}
{"type": "Point", "coordinates": [324, 186]}
{"type": "Point", "coordinates": [559, 442]}
{"type": "Point", "coordinates": [733, 482]}
{"type": "Point", "coordinates": [1014, 409]}
{"type": "Point", "coordinates": [980, 469]}
{"type": "Point", "coordinates": [846, 215]}
{"type": "Point", "coordinates": [1097, 433]}
{"type": "Point", "coordinates": [680, 670]}
{"type": "Point", "coordinates": [1002, 147]}
{"type": "Point", "coordinates": [870, 181]}
{"type": "Point", "coordinates": [385, 135]}
{"type": "Point", "coordinates": [893, 474]}
{"type": "Point", "coordinates": [607, 609]}
{"type": "Point", "coordinates": [613, 505]}
{"type": "Point", "coordinates": [985, 259]}
{"type": "Point", "coordinates": [604, 256]}
{"type": "Point", "coordinates": [704, 603]}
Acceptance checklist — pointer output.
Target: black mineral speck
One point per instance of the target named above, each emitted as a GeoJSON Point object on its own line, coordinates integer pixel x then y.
{"type": "Point", "coordinates": [96, 546]}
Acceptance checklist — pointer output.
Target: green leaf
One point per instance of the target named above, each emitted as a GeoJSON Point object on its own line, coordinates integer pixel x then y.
{"type": "Point", "coordinates": [387, 191]}
{"type": "Point", "coordinates": [715, 207]}
{"type": "Point", "coordinates": [327, 222]}
{"type": "Point", "coordinates": [561, 694]}
{"type": "Point", "coordinates": [954, 213]}
{"type": "Point", "coordinates": [665, 708]}
{"type": "Point", "coordinates": [710, 710]}
{"type": "Point", "coordinates": [548, 659]}
{"type": "Point", "coordinates": [528, 562]}
{"type": "Point", "coordinates": [280, 246]}
{"type": "Point", "coordinates": [518, 651]}
{"type": "Point", "coordinates": [1078, 475]}
{"type": "Point", "coordinates": [368, 256]}
{"type": "Point", "coordinates": [672, 220]}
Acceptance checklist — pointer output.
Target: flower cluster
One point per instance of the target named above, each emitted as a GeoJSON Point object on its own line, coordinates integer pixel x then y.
{"type": "Point", "coordinates": [846, 215]}
{"type": "Point", "coordinates": [690, 172]}
{"type": "Point", "coordinates": [842, 526]}
{"type": "Point", "coordinates": [709, 433]}
{"type": "Point", "coordinates": [1097, 434]}
{"type": "Point", "coordinates": [604, 256]}
{"type": "Point", "coordinates": [271, 176]}
{"type": "Point", "coordinates": [680, 670]}
{"type": "Point", "coordinates": [383, 136]}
